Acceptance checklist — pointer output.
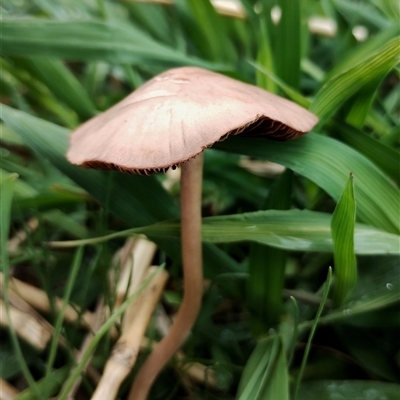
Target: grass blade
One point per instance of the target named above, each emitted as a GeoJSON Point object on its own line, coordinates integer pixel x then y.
{"type": "Point", "coordinates": [291, 230]}
{"type": "Point", "coordinates": [117, 43]}
{"type": "Point", "coordinates": [340, 87]}
{"type": "Point", "coordinates": [342, 225]}
{"type": "Point", "coordinates": [327, 162]}
{"type": "Point", "coordinates": [267, 264]}
{"type": "Point", "coordinates": [313, 329]}
{"type": "Point", "coordinates": [288, 43]}
{"type": "Point", "coordinates": [6, 195]}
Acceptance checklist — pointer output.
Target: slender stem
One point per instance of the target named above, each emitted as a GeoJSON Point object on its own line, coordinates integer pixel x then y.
{"type": "Point", "coordinates": [191, 183]}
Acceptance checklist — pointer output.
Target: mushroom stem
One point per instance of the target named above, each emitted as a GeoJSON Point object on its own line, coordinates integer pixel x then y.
{"type": "Point", "coordinates": [191, 184]}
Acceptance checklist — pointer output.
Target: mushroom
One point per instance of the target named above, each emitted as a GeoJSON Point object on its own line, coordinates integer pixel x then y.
{"type": "Point", "coordinates": [167, 123]}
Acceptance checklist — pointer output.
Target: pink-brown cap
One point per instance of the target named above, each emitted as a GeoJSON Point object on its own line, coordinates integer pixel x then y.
{"type": "Point", "coordinates": [176, 115]}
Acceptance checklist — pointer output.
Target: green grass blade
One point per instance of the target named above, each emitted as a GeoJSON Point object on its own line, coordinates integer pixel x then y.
{"type": "Point", "coordinates": [289, 91]}
{"type": "Point", "coordinates": [63, 84]}
{"type": "Point", "coordinates": [48, 386]}
{"type": "Point", "coordinates": [267, 264]}
{"type": "Point", "coordinates": [6, 195]}
{"type": "Point", "coordinates": [340, 87]}
{"type": "Point", "coordinates": [342, 225]}
{"type": "Point", "coordinates": [100, 333]}
{"type": "Point", "coordinates": [213, 37]}
{"type": "Point", "coordinates": [291, 230]}
{"type": "Point", "coordinates": [265, 60]}
{"type": "Point", "coordinates": [327, 162]}
{"type": "Point", "coordinates": [265, 375]}
{"type": "Point", "coordinates": [117, 43]}
{"type": "Point", "coordinates": [312, 332]}
{"type": "Point", "coordinates": [60, 315]}
{"type": "Point", "coordinates": [288, 43]}
{"type": "Point", "coordinates": [385, 157]}
{"type": "Point", "coordinates": [254, 370]}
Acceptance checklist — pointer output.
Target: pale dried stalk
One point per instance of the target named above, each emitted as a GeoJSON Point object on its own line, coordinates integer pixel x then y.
{"type": "Point", "coordinates": [28, 325]}
{"type": "Point", "coordinates": [21, 235]}
{"type": "Point", "coordinates": [125, 351]}
{"type": "Point", "coordinates": [39, 300]}
{"type": "Point", "coordinates": [133, 259]}
{"type": "Point", "coordinates": [7, 391]}
{"type": "Point", "coordinates": [133, 269]}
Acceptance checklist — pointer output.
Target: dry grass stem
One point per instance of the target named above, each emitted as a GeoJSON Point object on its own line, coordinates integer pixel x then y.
{"type": "Point", "coordinates": [39, 300]}
{"type": "Point", "coordinates": [133, 267]}
{"type": "Point", "coordinates": [262, 168]}
{"type": "Point", "coordinates": [28, 324]}
{"type": "Point", "coordinates": [125, 351]}
{"type": "Point", "coordinates": [14, 243]}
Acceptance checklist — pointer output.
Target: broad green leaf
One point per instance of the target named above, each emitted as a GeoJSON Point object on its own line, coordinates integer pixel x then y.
{"type": "Point", "coordinates": [21, 189]}
{"type": "Point", "coordinates": [342, 226]}
{"type": "Point", "coordinates": [327, 162]}
{"type": "Point", "coordinates": [85, 40]}
{"type": "Point", "coordinates": [267, 264]}
{"type": "Point", "coordinates": [348, 390]}
{"type": "Point", "coordinates": [360, 103]}
{"type": "Point", "coordinates": [290, 230]}
{"type": "Point", "coordinates": [265, 60]}
{"type": "Point", "coordinates": [389, 7]}
{"type": "Point", "coordinates": [288, 43]}
{"type": "Point", "coordinates": [385, 157]}
{"type": "Point", "coordinates": [213, 35]}
{"type": "Point", "coordinates": [63, 84]}
{"type": "Point", "coordinates": [340, 87]}
{"type": "Point", "coordinates": [137, 200]}
{"type": "Point", "coordinates": [289, 91]}
{"type": "Point", "coordinates": [364, 50]}
{"type": "Point", "coordinates": [265, 375]}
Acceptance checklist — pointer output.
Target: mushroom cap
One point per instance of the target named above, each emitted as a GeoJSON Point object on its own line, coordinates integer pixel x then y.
{"type": "Point", "coordinates": [176, 115]}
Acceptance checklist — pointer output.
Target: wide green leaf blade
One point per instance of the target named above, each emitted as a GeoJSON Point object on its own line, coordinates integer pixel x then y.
{"type": "Point", "coordinates": [288, 43]}
{"type": "Point", "coordinates": [213, 38]}
{"type": "Point", "coordinates": [291, 230]}
{"type": "Point", "coordinates": [85, 40]}
{"type": "Point", "coordinates": [342, 226]}
{"type": "Point", "coordinates": [267, 264]}
{"type": "Point", "coordinates": [385, 157]}
{"type": "Point", "coordinates": [265, 375]}
{"type": "Point", "coordinates": [63, 84]}
{"type": "Point", "coordinates": [327, 162]}
{"type": "Point", "coordinates": [340, 87]}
